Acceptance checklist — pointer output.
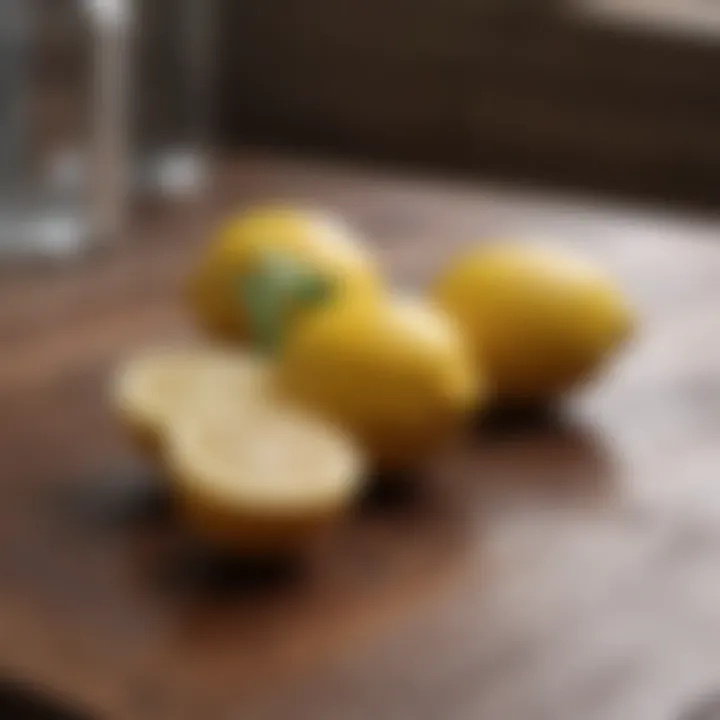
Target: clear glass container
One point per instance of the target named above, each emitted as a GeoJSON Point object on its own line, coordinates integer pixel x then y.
{"type": "Point", "coordinates": [172, 76]}
{"type": "Point", "coordinates": [63, 125]}
{"type": "Point", "coordinates": [102, 102]}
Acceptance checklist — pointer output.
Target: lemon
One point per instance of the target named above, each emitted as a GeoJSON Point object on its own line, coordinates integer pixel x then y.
{"type": "Point", "coordinates": [322, 243]}
{"type": "Point", "coordinates": [262, 482]}
{"type": "Point", "coordinates": [156, 385]}
{"type": "Point", "coordinates": [539, 321]}
{"type": "Point", "coordinates": [396, 374]}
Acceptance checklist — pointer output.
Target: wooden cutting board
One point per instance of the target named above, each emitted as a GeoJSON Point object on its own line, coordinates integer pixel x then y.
{"type": "Point", "coordinates": [545, 569]}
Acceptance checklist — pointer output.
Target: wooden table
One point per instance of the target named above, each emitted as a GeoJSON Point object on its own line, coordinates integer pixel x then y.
{"type": "Point", "coordinates": [551, 571]}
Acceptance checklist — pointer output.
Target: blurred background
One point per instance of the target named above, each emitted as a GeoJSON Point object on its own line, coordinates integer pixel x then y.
{"type": "Point", "coordinates": [615, 95]}
{"type": "Point", "coordinates": [105, 104]}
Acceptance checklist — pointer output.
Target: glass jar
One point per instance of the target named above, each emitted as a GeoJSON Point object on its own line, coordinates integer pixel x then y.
{"type": "Point", "coordinates": [172, 76]}
{"type": "Point", "coordinates": [63, 125]}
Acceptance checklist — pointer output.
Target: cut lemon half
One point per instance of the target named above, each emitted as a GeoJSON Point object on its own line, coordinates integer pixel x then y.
{"type": "Point", "coordinates": [263, 481]}
{"type": "Point", "coordinates": [156, 386]}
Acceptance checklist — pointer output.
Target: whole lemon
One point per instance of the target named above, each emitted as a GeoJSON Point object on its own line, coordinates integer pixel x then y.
{"type": "Point", "coordinates": [539, 321]}
{"type": "Point", "coordinates": [320, 242]}
{"type": "Point", "coordinates": [395, 373]}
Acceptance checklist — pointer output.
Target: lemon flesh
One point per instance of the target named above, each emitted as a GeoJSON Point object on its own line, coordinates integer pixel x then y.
{"type": "Point", "coordinates": [159, 385]}
{"type": "Point", "coordinates": [271, 480]}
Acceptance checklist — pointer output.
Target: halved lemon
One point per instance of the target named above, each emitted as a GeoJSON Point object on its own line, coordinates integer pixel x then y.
{"type": "Point", "coordinates": [270, 480]}
{"type": "Point", "coordinates": [156, 386]}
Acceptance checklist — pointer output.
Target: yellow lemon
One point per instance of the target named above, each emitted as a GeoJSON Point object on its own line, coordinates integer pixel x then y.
{"type": "Point", "coordinates": [268, 481]}
{"type": "Point", "coordinates": [539, 321]}
{"type": "Point", "coordinates": [394, 373]}
{"type": "Point", "coordinates": [157, 385]}
{"type": "Point", "coordinates": [320, 242]}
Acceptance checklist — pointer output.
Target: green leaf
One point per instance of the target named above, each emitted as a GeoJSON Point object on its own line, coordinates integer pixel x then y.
{"type": "Point", "coordinates": [313, 290]}
{"type": "Point", "coordinates": [269, 295]}
{"type": "Point", "coordinates": [264, 311]}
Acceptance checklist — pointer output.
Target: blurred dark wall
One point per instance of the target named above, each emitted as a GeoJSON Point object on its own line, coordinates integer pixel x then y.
{"type": "Point", "coordinates": [514, 88]}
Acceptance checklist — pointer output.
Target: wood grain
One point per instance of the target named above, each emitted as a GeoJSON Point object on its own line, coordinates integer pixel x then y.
{"type": "Point", "coordinates": [557, 568]}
